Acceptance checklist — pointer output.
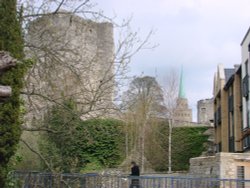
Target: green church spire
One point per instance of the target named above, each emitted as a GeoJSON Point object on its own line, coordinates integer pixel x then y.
{"type": "Point", "coordinates": [181, 86]}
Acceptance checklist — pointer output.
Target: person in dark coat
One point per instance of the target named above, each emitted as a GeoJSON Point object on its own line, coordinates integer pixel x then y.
{"type": "Point", "coordinates": [135, 171]}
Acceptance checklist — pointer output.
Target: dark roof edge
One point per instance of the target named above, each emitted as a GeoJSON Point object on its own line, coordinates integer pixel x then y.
{"type": "Point", "coordinates": [238, 71]}
{"type": "Point", "coordinates": [229, 82]}
{"type": "Point", "coordinates": [248, 31]}
{"type": "Point", "coordinates": [231, 78]}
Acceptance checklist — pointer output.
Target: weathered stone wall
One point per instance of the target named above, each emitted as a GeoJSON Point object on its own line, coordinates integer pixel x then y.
{"type": "Point", "coordinates": [230, 161]}
{"type": "Point", "coordinates": [222, 165]}
{"type": "Point", "coordinates": [75, 59]}
{"type": "Point", "coordinates": [204, 166]}
{"type": "Point", "coordinates": [205, 111]}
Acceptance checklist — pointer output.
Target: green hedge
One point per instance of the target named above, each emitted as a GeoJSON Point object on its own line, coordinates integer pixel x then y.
{"type": "Point", "coordinates": [187, 142]}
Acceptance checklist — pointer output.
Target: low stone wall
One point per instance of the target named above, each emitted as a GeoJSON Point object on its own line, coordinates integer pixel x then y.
{"type": "Point", "coordinates": [222, 165]}
{"type": "Point", "coordinates": [227, 165]}
{"type": "Point", "coordinates": [204, 166]}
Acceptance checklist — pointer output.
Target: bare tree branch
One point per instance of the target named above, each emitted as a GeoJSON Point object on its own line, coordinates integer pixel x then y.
{"type": "Point", "coordinates": [38, 129]}
{"type": "Point", "coordinates": [59, 6]}
{"type": "Point", "coordinates": [38, 154]}
{"type": "Point", "coordinates": [6, 61]}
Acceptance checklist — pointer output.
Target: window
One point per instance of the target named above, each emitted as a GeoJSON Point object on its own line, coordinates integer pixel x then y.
{"type": "Point", "coordinates": [245, 87]}
{"type": "Point", "coordinates": [230, 102]}
{"type": "Point", "coordinates": [246, 67]}
{"type": "Point", "coordinates": [246, 125]}
{"type": "Point", "coordinates": [240, 175]}
{"type": "Point", "coordinates": [246, 143]}
{"type": "Point", "coordinates": [218, 147]}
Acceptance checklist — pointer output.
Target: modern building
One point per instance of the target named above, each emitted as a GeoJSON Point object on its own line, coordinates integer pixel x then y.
{"type": "Point", "coordinates": [205, 111]}
{"type": "Point", "coordinates": [227, 108]}
{"type": "Point", "coordinates": [231, 122]}
{"type": "Point", "coordinates": [245, 54]}
{"type": "Point", "coordinates": [234, 111]}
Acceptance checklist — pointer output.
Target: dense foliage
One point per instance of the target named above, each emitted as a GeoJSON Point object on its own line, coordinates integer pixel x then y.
{"type": "Point", "coordinates": [187, 142]}
{"type": "Point", "coordinates": [76, 145]}
{"type": "Point", "coordinates": [11, 41]}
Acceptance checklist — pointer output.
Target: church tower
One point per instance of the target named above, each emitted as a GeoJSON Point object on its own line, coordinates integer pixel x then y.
{"type": "Point", "coordinates": [183, 113]}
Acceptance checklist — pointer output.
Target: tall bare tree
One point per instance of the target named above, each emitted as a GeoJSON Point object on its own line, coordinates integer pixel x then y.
{"type": "Point", "coordinates": [145, 101]}
{"type": "Point", "coordinates": [170, 89]}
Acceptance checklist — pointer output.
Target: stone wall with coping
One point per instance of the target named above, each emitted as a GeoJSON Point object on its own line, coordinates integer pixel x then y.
{"type": "Point", "coordinates": [222, 165]}
{"type": "Point", "coordinates": [204, 166]}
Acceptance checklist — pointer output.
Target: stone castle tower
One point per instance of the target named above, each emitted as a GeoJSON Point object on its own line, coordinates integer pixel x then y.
{"type": "Point", "coordinates": [74, 59]}
{"type": "Point", "coordinates": [182, 113]}
{"type": "Point", "coordinates": [205, 111]}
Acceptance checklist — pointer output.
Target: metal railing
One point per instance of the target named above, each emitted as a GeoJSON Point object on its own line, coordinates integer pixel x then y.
{"type": "Point", "coordinates": [48, 180]}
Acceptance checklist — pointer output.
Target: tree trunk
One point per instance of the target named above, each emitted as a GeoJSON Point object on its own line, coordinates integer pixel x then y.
{"type": "Point", "coordinates": [5, 91]}
{"type": "Point", "coordinates": [126, 140]}
{"type": "Point", "coordinates": [169, 146]}
{"type": "Point", "coordinates": [6, 61]}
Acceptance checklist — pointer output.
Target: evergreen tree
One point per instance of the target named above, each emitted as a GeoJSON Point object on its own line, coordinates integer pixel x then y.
{"type": "Point", "coordinates": [11, 41]}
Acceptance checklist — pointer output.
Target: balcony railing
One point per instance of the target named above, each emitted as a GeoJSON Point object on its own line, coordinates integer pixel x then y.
{"type": "Point", "coordinates": [48, 180]}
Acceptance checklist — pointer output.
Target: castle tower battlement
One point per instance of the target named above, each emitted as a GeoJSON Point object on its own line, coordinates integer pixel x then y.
{"type": "Point", "coordinates": [74, 59]}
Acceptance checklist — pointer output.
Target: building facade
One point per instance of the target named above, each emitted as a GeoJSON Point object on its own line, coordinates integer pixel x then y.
{"type": "Point", "coordinates": [228, 109]}
{"type": "Point", "coordinates": [245, 51]}
{"type": "Point", "coordinates": [231, 122]}
{"type": "Point", "coordinates": [183, 113]}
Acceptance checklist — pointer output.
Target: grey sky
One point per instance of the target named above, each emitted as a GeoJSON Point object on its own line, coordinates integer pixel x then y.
{"type": "Point", "coordinates": [197, 34]}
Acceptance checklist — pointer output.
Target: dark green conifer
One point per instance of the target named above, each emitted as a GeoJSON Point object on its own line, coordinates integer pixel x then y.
{"type": "Point", "coordinates": [10, 40]}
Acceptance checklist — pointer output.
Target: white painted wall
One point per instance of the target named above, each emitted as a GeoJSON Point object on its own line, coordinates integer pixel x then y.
{"type": "Point", "coordinates": [244, 58]}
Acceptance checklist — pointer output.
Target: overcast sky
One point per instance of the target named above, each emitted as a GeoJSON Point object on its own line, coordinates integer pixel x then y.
{"type": "Point", "coordinates": [195, 34]}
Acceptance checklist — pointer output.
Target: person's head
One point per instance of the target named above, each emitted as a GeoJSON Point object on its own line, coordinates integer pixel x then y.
{"type": "Point", "coordinates": [133, 163]}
